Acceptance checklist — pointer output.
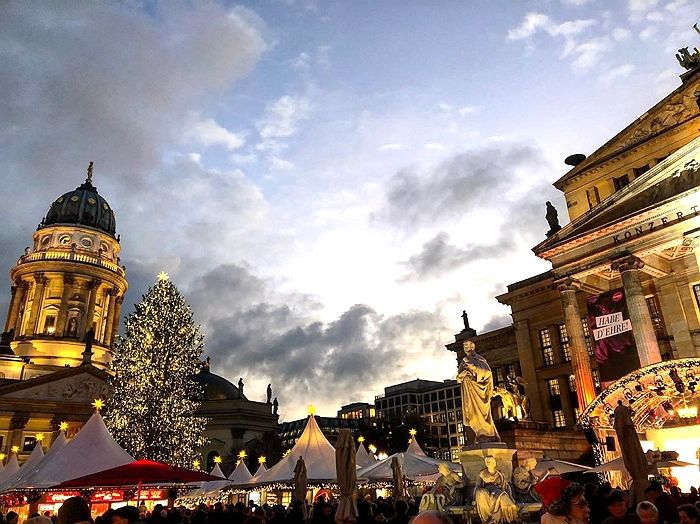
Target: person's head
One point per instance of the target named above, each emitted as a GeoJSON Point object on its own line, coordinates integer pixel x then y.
{"type": "Point", "coordinates": [11, 517]}
{"type": "Point", "coordinates": [490, 463]}
{"type": "Point", "coordinates": [616, 504]}
{"type": "Point", "coordinates": [687, 514]}
{"type": "Point", "coordinates": [401, 507]}
{"type": "Point", "coordinates": [74, 510]}
{"type": "Point", "coordinates": [653, 490]}
{"type": "Point", "coordinates": [125, 515]}
{"type": "Point", "coordinates": [572, 504]}
{"type": "Point", "coordinates": [431, 517]}
{"type": "Point", "coordinates": [647, 512]}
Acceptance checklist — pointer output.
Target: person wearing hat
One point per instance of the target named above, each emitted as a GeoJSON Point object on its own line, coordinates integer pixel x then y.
{"type": "Point", "coordinates": [73, 511]}
{"type": "Point", "coordinates": [126, 515]}
{"type": "Point", "coordinates": [617, 507]}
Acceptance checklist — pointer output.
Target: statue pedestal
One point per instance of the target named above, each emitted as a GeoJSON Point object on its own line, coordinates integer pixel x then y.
{"type": "Point", "coordinates": [472, 459]}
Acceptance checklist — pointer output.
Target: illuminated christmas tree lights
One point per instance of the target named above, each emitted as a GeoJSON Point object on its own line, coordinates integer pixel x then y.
{"type": "Point", "coordinates": [151, 413]}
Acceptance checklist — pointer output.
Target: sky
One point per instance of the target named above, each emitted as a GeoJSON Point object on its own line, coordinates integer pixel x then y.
{"type": "Point", "coordinates": [328, 183]}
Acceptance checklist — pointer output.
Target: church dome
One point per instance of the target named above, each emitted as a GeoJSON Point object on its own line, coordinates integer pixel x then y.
{"type": "Point", "coordinates": [216, 387]}
{"type": "Point", "coordinates": [82, 207]}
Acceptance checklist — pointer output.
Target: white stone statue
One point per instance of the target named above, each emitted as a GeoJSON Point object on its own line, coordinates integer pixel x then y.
{"type": "Point", "coordinates": [494, 502]}
{"type": "Point", "coordinates": [476, 382]}
{"type": "Point", "coordinates": [524, 480]}
{"type": "Point", "coordinates": [451, 485]}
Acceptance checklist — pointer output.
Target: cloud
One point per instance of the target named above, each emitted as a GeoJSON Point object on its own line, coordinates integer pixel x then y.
{"type": "Point", "coordinates": [620, 33]}
{"type": "Point", "coordinates": [589, 53]}
{"type": "Point", "coordinates": [463, 183]}
{"type": "Point", "coordinates": [209, 133]}
{"type": "Point", "coordinates": [620, 71]}
{"type": "Point", "coordinates": [535, 22]}
{"type": "Point", "coordinates": [434, 146]}
{"type": "Point", "coordinates": [393, 147]}
{"type": "Point", "coordinates": [465, 110]}
{"type": "Point", "coordinates": [439, 257]}
{"type": "Point", "coordinates": [279, 164]}
{"type": "Point", "coordinates": [263, 335]}
{"type": "Point", "coordinates": [282, 117]}
{"type": "Point", "coordinates": [497, 322]}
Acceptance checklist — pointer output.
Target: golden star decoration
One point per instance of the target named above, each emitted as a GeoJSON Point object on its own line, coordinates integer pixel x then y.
{"type": "Point", "coordinates": [2, 456]}
{"type": "Point", "coordinates": [311, 410]}
{"type": "Point", "coordinates": [63, 426]}
{"type": "Point", "coordinates": [261, 460]}
{"type": "Point", "coordinates": [413, 432]}
{"type": "Point", "coordinates": [196, 464]}
{"type": "Point", "coordinates": [98, 404]}
{"type": "Point", "coordinates": [163, 276]}
{"type": "Point", "coordinates": [242, 454]}
{"type": "Point", "coordinates": [217, 460]}
{"type": "Point", "coordinates": [15, 449]}
{"type": "Point", "coordinates": [39, 437]}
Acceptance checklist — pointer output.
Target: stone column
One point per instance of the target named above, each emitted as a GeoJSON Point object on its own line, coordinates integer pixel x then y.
{"type": "Point", "coordinates": [109, 324]}
{"type": "Point", "coordinates": [19, 291]}
{"type": "Point", "coordinates": [115, 321]}
{"type": "Point", "coordinates": [37, 303]}
{"type": "Point", "coordinates": [580, 361]}
{"type": "Point", "coordinates": [17, 424]}
{"type": "Point", "coordinates": [20, 302]}
{"type": "Point", "coordinates": [674, 316]}
{"type": "Point", "coordinates": [68, 291]}
{"type": "Point", "coordinates": [642, 327]}
{"type": "Point", "coordinates": [89, 319]}
{"type": "Point", "coordinates": [527, 368]}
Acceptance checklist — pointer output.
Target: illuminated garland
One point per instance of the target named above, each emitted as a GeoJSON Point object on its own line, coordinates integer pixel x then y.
{"type": "Point", "coordinates": [646, 400]}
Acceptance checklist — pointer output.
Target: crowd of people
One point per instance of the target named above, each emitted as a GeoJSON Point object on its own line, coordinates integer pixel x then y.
{"type": "Point", "coordinates": [564, 502]}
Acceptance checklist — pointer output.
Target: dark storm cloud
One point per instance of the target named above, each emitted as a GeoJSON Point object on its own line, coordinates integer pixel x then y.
{"type": "Point", "coordinates": [256, 332]}
{"type": "Point", "coordinates": [474, 179]}
{"type": "Point", "coordinates": [439, 256]}
{"type": "Point", "coordinates": [497, 322]}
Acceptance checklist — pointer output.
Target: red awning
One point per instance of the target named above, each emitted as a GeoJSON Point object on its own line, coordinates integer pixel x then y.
{"type": "Point", "coordinates": [138, 472]}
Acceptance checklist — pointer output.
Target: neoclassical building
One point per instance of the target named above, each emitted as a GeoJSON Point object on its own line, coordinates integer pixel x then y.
{"type": "Point", "coordinates": [633, 225]}
{"type": "Point", "coordinates": [67, 292]}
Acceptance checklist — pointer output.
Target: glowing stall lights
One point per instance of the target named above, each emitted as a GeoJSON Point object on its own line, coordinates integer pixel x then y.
{"type": "Point", "coordinates": [688, 412]}
{"type": "Point", "coordinates": [382, 455]}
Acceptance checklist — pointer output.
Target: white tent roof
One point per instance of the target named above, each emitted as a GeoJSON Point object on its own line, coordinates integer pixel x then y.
{"type": "Point", "coordinates": [25, 472]}
{"type": "Point", "coordinates": [261, 468]}
{"type": "Point", "coordinates": [415, 464]}
{"type": "Point", "coordinates": [240, 475]}
{"type": "Point", "coordinates": [362, 457]}
{"type": "Point", "coordinates": [91, 450]}
{"type": "Point", "coordinates": [33, 460]}
{"type": "Point", "coordinates": [314, 448]}
{"type": "Point", "coordinates": [10, 468]}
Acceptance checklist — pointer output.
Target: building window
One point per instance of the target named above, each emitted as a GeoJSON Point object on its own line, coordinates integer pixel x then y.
{"type": "Point", "coordinates": [29, 443]}
{"type": "Point", "coordinates": [50, 325]}
{"type": "Point", "coordinates": [559, 420]}
{"type": "Point", "coordinates": [656, 318]}
{"type": "Point", "coordinates": [587, 337]}
{"type": "Point", "coordinates": [696, 292]}
{"type": "Point", "coordinates": [596, 379]}
{"type": "Point", "coordinates": [564, 341]}
{"type": "Point", "coordinates": [546, 346]}
{"type": "Point", "coordinates": [640, 170]}
{"type": "Point", "coordinates": [621, 181]}
{"type": "Point", "coordinates": [572, 383]}
{"type": "Point", "coordinates": [593, 197]}
{"type": "Point", "coordinates": [500, 379]}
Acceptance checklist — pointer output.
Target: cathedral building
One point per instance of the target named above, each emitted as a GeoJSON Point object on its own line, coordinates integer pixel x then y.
{"type": "Point", "coordinates": [632, 241]}
{"type": "Point", "coordinates": [62, 321]}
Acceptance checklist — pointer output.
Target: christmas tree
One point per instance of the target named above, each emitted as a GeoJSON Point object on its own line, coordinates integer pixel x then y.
{"type": "Point", "coordinates": [151, 412]}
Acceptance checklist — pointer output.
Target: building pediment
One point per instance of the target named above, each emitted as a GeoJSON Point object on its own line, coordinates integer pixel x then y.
{"type": "Point", "coordinates": [665, 195]}
{"type": "Point", "coordinates": [82, 384]}
{"type": "Point", "coordinates": [677, 109]}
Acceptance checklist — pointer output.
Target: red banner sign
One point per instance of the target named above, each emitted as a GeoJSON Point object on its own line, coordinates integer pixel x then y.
{"type": "Point", "coordinates": [152, 494]}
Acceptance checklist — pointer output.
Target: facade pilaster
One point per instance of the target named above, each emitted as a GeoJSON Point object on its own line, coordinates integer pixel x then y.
{"type": "Point", "coordinates": [12, 309]}
{"type": "Point", "coordinates": [89, 319]}
{"type": "Point", "coordinates": [566, 406]}
{"type": "Point", "coordinates": [527, 368]}
{"type": "Point", "coordinates": [68, 292]}
{"type": "Point", "coordinates": [580, 361]}
{"type": "Point", "coordinates": [642, 327]}
{"type": "Point", "coordinates": [115, 320]}
{"type": "Point", "coordinates": [109, 324]}
{"type": "Point", "coordinates": [37, 303]}
{"type": "Point", "coordinates": [17, 424]}
{"type": "Point", "coordinates": [21, 300]}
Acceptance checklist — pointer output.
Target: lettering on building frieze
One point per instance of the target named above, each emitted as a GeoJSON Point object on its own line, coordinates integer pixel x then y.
{"type": "Point", "coordinates": [651, 225]}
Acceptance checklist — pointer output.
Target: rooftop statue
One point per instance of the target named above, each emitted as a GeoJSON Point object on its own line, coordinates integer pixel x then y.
{"type": "Point", "coordinates": [552, 217]}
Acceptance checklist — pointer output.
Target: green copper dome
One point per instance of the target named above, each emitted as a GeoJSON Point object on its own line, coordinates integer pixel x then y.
{"type": "Point", "coordinates": [82, 207]}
